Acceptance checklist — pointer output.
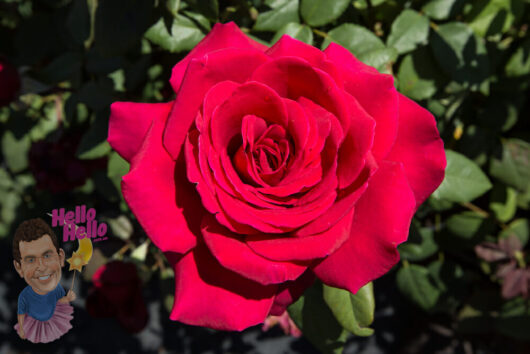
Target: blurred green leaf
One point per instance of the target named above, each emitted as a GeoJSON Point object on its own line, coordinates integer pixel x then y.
{"type": "Point", "coordinates": [120, 226]}
{"type": "Point", "coordinates": [519, 62]}
{"type": "Point", "coordinates": [362, 4]}
{"type": "Point", "coordinates": [416, 284]}
{"type": "Point", "coordinates": [489, 17]}
{"type": "Point", "coordinates": [503, 202]}
{"type": "Point", "coordinates": [519, 228]}
{"type": "Point", "coordinates": [408, 30]}
{"type": "Point", "coordinates": [461, 54]}
{"type": "Point", "coordinates": [62, 68]}
{"type": "Point", "coordinates": [297, 31]}
{"type": "Point", "coordinates": [119, 25]}
{"type": "Point", "coordinates": [15, 151]}
{"type": "Point", "coordinates": [420, 243]}
{"type": "Point", "coordinates": [314, 318]}
{"type": "Point", "coordinates": [320, 12]}
{"type": "Point", "coordinates": [184, 34]}
{"type": "Point", "coordinates": [442, 9]}
{"type": "Point", "coordinates": [281, 13]}
{"type": "Point", "coordinates": [78, 21]}
{"type": "Point", "coordinates": [354, 312]}
{"type": "Point", "coordinates": [140, 252]}
{"type": "Point", "coordinates": [468, 225]}
{"type": "Point", "coordinates": [365, 45]}
{"type": "Point", "coordinates": [94, 142]}
{"type": "Point", "coordinates": [117, 168]}
{"type": "Point", "coordinates": [464, 180]}
{"type": "Point", "coordinates": [209, 8]}
{"type": "Point", "coordinates": [418, 75]}
{"type": "Point", "coordinates": [512, 165]}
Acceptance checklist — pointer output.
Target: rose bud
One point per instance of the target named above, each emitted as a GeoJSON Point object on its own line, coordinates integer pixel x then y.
{"type": "Point", "coordinates": [9, 82]}
{"type": "Point", "coordinates": [117, 292]}
{"type": "Point", "coordinates": [270, 167]}
{"type": "Point", "coordinates": [55, 166]}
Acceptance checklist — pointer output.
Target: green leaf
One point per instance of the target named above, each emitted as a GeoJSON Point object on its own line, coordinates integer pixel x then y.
{"type": "Point", "coordinates": [140, 252]}
{"type": "Point", "coordinates": [469, 225]}
{"type": "Point", "coordinates": [354, 312]}
{"type": "Point", "coordinates": [418, 75]}
{"type": "Point", "coordinates": [62, 68]}
{"type": "Point", "coordinates": [464, 180]}
{"type": "Point", "coordinates": [503, 202]}
{"type": "Point", "coordinates": [519, 62]}
{"type": "Point", "coordinates": [94, 142]}
{"type": "Point", "coordinates": [408, 30]}
{"type": "Point", "coordinates": [78, 21]}
{"type": "Point", "coordinates": [361, 4]}
{"type": "Point", "coordinates": [365, 45]}
{"type": "Point", "coordinates": [117, 168]}
{"type": "Point", "coordinates": [297, 31]}
{"type": "Point", "coordinates": [281, 13]}
{"type": "Point", "coordinates": [442, 9]}
{"type": "Point", "coordinates": [494, 16]}
{"type": "Point", "coordinates": [119, 25]}
{"type": "Point", "coordinates": [512, 165]}
{"type": "Point", "coordinates": [416, 284]}
{"type": "Point", "coordinates": [15, 151]}
{"type": "Point", "coordinates": [461, 54]}
{"type": "Point", "coordinates": [320, 12]}
{"type": "Point", "coordinates": [184, 34]}
{"type": "Point", "coordinates": [420, 243]}
{"type": "Point", "coordinates": [519, 228]}
{"type": "Point", "coordinates": [315, 319]}
{"type": "Point", "coordinates": [209, 8]}
{"type": "Point", "coordinates": [120, 226]}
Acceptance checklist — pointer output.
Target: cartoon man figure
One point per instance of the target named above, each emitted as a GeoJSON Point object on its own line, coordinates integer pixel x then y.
{"type": "Point", "coordinates": [44, 312]}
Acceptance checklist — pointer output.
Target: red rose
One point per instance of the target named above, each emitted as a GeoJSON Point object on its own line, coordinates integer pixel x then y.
{"type": "Point", "coordinates": [117, 292]}
{"type": "Point", "coordinates": [271, 166]}
{"type": "Point", "coordinates": [9, 82]}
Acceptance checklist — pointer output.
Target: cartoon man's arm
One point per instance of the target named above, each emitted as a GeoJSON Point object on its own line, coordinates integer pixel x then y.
{"type": "Point", "coordinates": [68, 298]}
{"type": "Point", "coordinates": [21, 325]}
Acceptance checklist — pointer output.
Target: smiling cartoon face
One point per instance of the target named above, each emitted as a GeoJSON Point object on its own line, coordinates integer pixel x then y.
{"type": "Point", "coordinates": [40, 264]}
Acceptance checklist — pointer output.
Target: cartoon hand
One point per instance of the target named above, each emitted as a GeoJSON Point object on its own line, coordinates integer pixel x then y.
{"type": "Point", "coordinates": [21, 332]}
{"type": "Point", "coordinates": [71, 295]}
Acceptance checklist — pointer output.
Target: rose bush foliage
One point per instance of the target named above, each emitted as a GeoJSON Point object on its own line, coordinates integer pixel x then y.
{"type": "Point", "coordinates": [273, 166]}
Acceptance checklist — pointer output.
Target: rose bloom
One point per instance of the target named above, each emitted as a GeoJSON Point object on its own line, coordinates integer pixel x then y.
{"type": "Point", "coordinates": [9, 82]}
{"type": "Point", "coordinates": [273, 166]}
{"type": "Point", "coordinates": [117, 292]}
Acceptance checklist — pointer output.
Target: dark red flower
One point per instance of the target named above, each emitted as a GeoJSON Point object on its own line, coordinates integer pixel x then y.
{"type": "Point", "coordinates": [117, 292]}
{"type": "Point", "coordinates": [55, 166]}
{"type": "Point", "coordinates": [9, 82]}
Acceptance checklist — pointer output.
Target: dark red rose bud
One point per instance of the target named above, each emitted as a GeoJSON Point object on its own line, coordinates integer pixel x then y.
{"type": "Point", "coordinates": [55, 166]}
{"type": "Point", "coordinates": [9, 82]}
{"type": "Point", "coordinates": [117, 292]}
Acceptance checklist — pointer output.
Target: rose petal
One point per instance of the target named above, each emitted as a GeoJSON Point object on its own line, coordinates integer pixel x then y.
{"type": "Point", "coordinates": [289, 292]}
{"type": "Point", "coordinates": [129, 123]}
{"type": "Point", "coordinates": [374, 91]}
{"type": "Point", "coordinates": [221, 36]}
{"type": "Point", "coordinates": [288, 248]}
{"type": "Point", "coordinates": [381, 222]}
{"type": "Point", "coordinates": [206, 294]}
{"type": "Point", "coordinates": [419, 147]}
{"type": "Point", "coordinates": [228, 64]}
{"type": "Point", "coordinates": [293, 77]}
{"type": "Point", "coordinates": [236, 256]}
{"type": "Point", "coordinates": [156, 190]}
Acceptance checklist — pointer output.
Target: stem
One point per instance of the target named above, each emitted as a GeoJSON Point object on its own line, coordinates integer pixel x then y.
{"type": "Point", "coordinates": [73, 280]}
{"type": "Point", "coordinates": [476, 209]}
{"type": "Point", "coordinates": [320, 33]}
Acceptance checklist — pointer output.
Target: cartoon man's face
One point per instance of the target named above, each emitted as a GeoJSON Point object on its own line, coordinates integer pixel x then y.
{"type": "Point", "coordinates": [40, 265]}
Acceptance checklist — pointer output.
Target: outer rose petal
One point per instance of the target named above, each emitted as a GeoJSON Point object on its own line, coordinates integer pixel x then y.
{"type": "Point", "coordinates": [220, 37]}
{"type": "Point", "coordinates": [235, 255]}
{"type": "Point", "coordinates": [206, 294]}
{"type": "Point", "coordinates": [381, 222]}
{"type": "Point", "coordinates": [290, 291]}
{"type": "Point", "coordinates": [129, 123]}
{"type": "Point", "coordinates": [374, 91]}
{"type": "Point", "coordinates": [156, 189]}
{"type": "Point", "coordinates": [419, 148]}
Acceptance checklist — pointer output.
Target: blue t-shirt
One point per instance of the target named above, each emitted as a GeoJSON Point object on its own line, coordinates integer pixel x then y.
{"type": "Point", "coordinates": [40, 307]}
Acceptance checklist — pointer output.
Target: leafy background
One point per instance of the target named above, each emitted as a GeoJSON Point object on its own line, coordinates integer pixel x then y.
{"type": "Point", "coordinates": [462, 285]}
